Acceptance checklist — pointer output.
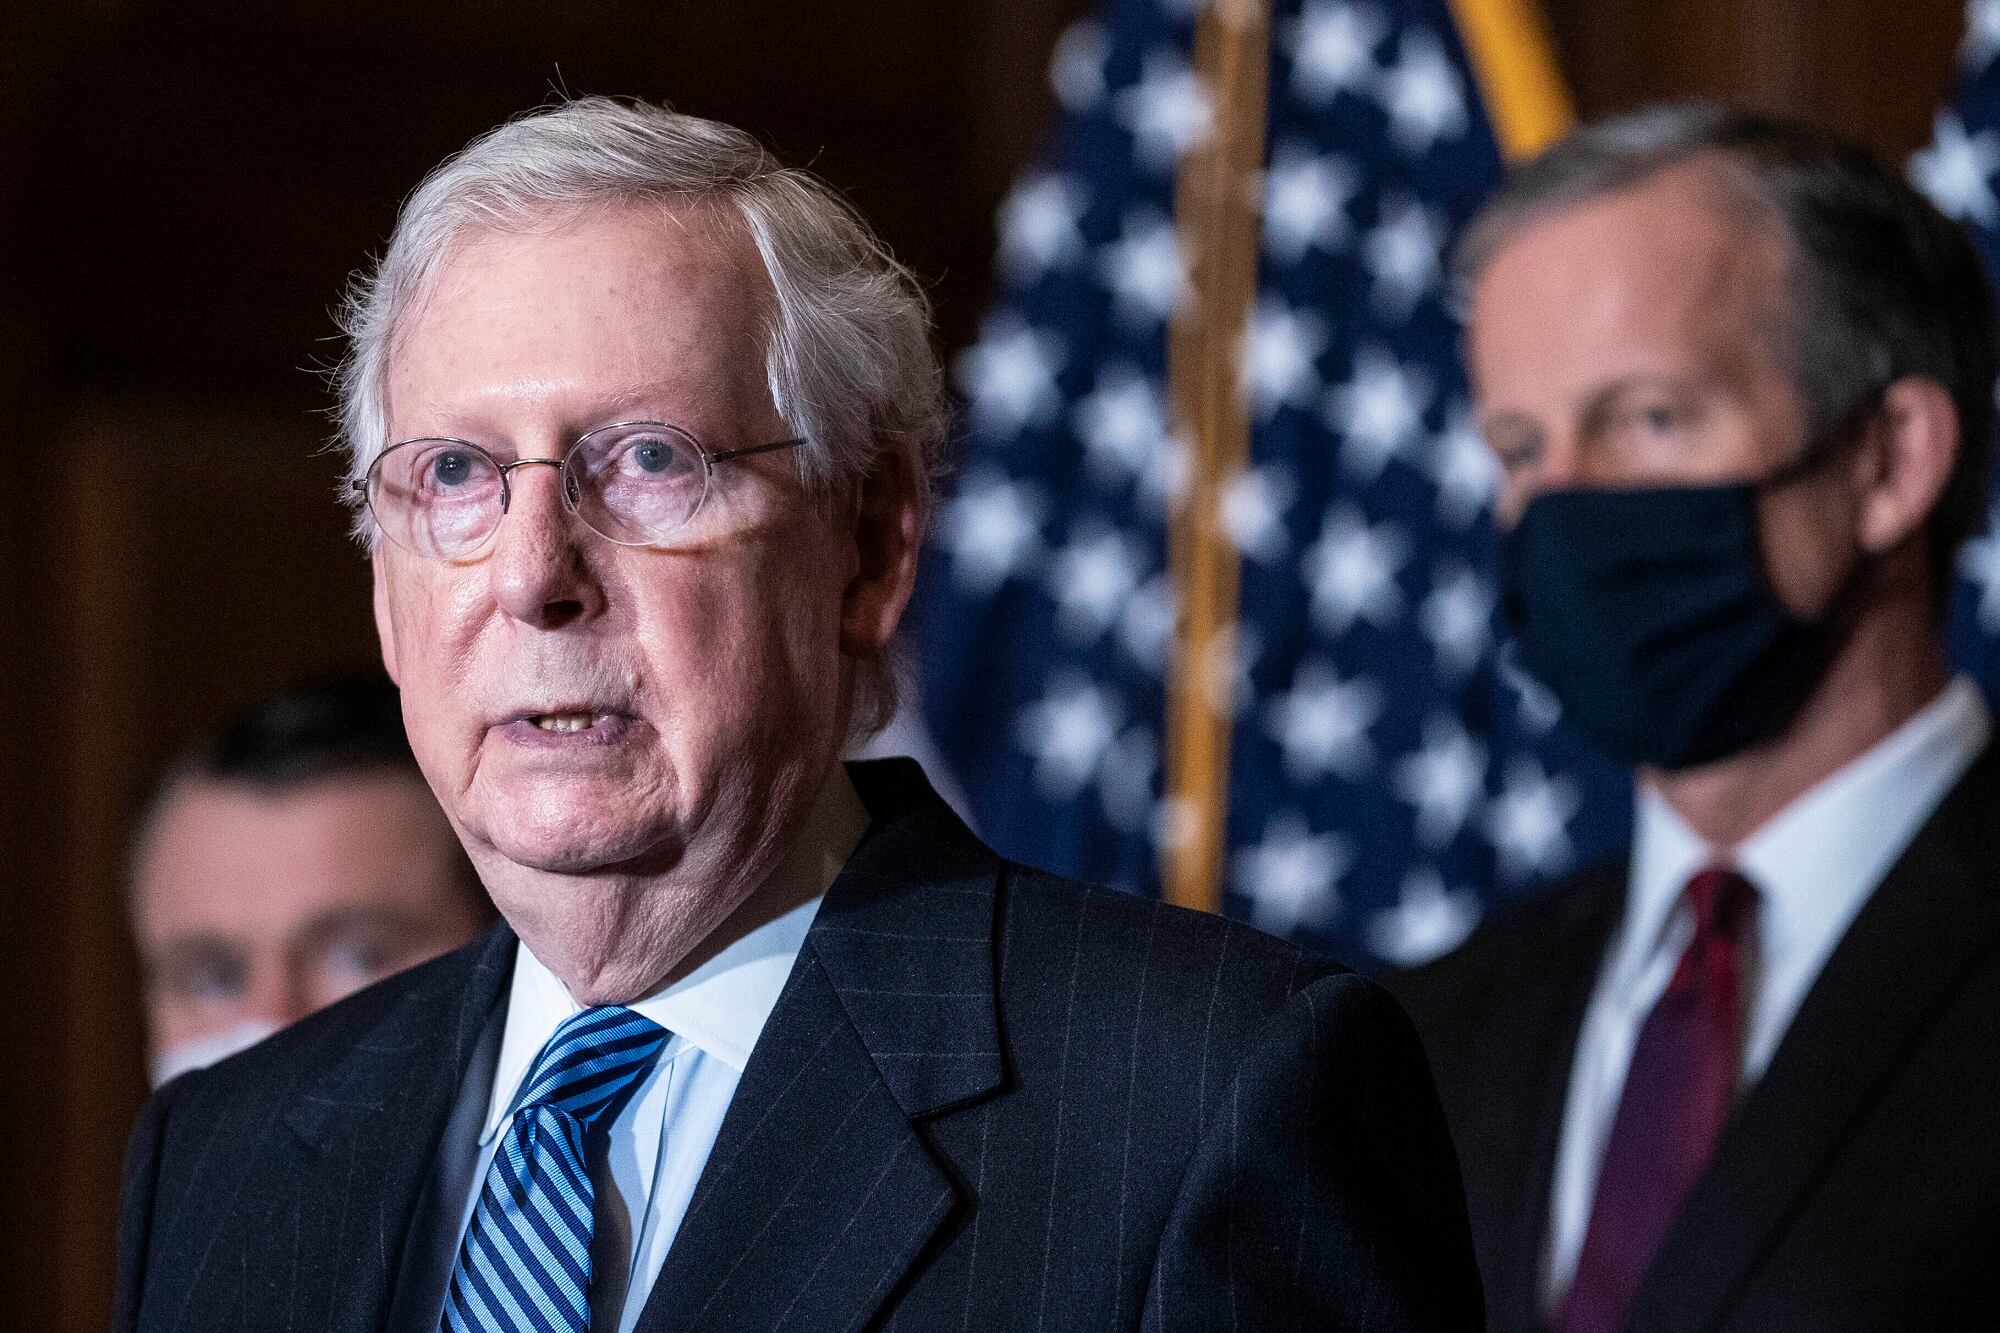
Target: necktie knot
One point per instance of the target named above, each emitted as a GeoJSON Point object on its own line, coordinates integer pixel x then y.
{"type": "Point", "coordinates": [1721, 898]}
{"type": "Point", "coordinates": [593, 1057]}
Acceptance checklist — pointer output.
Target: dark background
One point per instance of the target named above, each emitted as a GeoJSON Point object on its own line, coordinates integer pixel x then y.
{"type": "Point", "coordinates": [184, 187]}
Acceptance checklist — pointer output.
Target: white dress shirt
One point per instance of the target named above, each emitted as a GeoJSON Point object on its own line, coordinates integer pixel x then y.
{"type": "Point", "coordinates": [661, 1137]}
{"type": "Point", "coordinates": [1813, 865]}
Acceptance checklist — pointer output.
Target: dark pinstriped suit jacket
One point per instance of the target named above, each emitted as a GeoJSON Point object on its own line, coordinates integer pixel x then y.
{"type": "Point", "coordinates": [988, 1099]}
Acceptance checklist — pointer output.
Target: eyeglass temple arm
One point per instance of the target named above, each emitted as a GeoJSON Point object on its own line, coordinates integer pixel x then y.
{"type": "Point", "coordinates": [725, 455]}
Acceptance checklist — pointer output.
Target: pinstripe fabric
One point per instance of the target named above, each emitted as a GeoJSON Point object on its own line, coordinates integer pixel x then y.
{"type": "Point", "coordinates": [525, 1263]}
{"type": "Point", "coordinates": [989, 1100]}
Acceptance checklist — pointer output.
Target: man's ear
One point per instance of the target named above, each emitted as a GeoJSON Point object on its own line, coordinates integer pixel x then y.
{"type": "Point", "coordinates": [888, 535]}
{"type": "Point", "coordinates": [1916, 448]}
{"type": "Point", "coordinates": [385, 627]}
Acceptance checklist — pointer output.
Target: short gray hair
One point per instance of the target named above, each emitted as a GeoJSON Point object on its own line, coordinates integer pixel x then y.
{"type": "Point", "coordinates": [1880, 283]}
{"type": "Point", "coordinates": [847, 357]}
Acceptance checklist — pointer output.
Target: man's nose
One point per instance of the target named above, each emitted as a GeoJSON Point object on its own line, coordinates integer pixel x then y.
{"type": "Point", "coordinates": [278, 994]}
{"type": "Point", "coordinates": [1559, 464]}
{"type": "Point", "coordinates": [541, 563]}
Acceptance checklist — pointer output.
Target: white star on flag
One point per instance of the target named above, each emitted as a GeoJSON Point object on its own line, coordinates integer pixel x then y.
{"type": "Point", "coordinates": [1443, 780]}
{"type": "Point", "coordinates": [1076, 71]}
{"type": "Point", "coordinates": [1333, 49]}
{"type": "Point", "coordinates": [1305, 202]}
{"type": "Point", "coordinates": [1979, 563]}
{"type": "Point", "coordinates": [1144, 270]}
{"type": "Point", "coordinates": [1168, 111]}
{"type": "Point", "coordinates": [1379, 413]}
{"type": "Point", "coordinates": [1956, 171]}
{"type": "Point", "coordinates": [1090, 578]}
{"type": "Point", "coordinates": [1528, 822]}
{"type": "Point", "coordinates": [1423, 94]}
{"type": "Point", "coordinates": [1253, 507]}
{"type": "Point", "coordinates": [1982, 33]}
{"type": "Point", "coordinates": [1146, 626]}
{"type": "Point", "coordinates": [1292, 877]}
{"type": "Point", "coordinates": [1010, 377]}
{"type": "Point", "coordinates": [1281, 349]}
{"type": "Point", "coordinates": [1428, 920]}
{"type": "Point", "coordinates": [1120, 422]}
{"type": "Point", "coordinates": [1041, 226]}
{"type": "Point", "coordinates": [1457, 618]}
{"type": "Point", "coordinates": [1352, 570]}
{"type": "Point", "coordinates": [1068, 733]}
{"type": "Point", "coordinates": [1463, 468]}
{"type": "Point", "coordinates": [991, 528]}
{"type": "Point", "coordinates": [1322, 724]}
{"type": "Point", "coordinates": [1405, 255]}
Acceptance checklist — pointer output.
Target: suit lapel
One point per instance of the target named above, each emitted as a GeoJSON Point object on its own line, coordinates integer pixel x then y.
{"type": "Point", "coordinates": [821, 1192]}
{"type": "Point", "coordinates": [1935, 915]}
{"type": "Point", "coordinates": [1528, 1050]}
{"type": "Point", "coordinates": [340, 1177]}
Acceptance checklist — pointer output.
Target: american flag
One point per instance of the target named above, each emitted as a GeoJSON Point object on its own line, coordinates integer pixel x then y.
{"type": "Point", "coordinates": [1393, 776]}
{"type": "Point", "coordinates": [1960, 171]}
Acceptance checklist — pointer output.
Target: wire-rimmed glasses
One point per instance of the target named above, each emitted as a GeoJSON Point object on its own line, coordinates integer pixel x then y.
{"type": "Point", "coordinates": [636, 483]}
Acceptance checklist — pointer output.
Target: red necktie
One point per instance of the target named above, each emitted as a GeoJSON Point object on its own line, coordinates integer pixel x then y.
{"type": "Point", "coordinates": [1677, 1095]}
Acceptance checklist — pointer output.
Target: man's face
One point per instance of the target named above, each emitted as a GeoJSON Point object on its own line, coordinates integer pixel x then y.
{"type": "Point", "coordinates": [259, 907]}
{"type": "Point", "coordinates": [583, 707]}
{"type": "Point", "coordinates": [1633, 340]}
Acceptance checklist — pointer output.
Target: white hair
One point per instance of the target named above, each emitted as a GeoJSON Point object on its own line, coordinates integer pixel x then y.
{"type": "Point", "coordinates": [847, 353]}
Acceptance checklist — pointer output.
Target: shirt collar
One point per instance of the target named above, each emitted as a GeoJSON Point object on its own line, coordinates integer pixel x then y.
{"type": "Point", "coordinates": [1815, 862]}
{"type": "Point", "coordinates": [720, 1007]}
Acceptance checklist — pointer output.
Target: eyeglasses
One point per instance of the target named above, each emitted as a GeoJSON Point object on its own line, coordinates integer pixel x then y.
{"type": "Point", "coordinates": [636, 483]}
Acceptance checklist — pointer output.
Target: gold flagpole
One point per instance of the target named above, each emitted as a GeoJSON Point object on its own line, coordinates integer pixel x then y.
{"type": "Point", "coordinates": [1216, 215]}
{"type": "Point", "coordinates": [1514, 61]}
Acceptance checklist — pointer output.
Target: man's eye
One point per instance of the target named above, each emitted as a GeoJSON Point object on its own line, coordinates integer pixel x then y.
{"type": "Point", "coordinates": [451, 468]}
{"type": "Point", "coordinates": [356, 962]}
{"type": "Point", "coordinates": [1657, 418]}
{"type": "Point", "coordinates": [205, 983]}
{"type": "Point", "coordinates": [655, 459]}
{"type": "Point", "coordinates": [1512, 457]}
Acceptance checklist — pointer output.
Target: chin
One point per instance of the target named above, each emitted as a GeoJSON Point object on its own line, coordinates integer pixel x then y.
{"type": "Point", "coordinates": [575, 846]}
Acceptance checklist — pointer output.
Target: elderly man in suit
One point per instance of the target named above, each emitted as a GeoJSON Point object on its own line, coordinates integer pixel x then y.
{"type": "Point", "coordinates": [1739, 380]}
{"type": "Point", "coordinates": [644, 426]}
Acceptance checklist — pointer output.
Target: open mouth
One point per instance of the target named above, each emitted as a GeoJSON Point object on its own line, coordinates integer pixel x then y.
{"type": "Point", "coordinates": [566, 728]}
{"type": "Point", "coordinates": [564, 722]}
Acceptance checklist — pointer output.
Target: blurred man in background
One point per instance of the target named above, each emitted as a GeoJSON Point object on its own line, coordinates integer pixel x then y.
{"type": "Point", "coordinates": [285, 860]}
{"type": "Point", "coordinates": [1739, 380]}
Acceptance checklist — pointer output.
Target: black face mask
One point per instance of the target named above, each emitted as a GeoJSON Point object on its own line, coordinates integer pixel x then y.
{"type": "Point", "coordinates": [1648, 614]}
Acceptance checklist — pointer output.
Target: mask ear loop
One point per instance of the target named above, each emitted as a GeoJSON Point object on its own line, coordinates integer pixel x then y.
{"type": "Point", "coordinates": [1835, 620]}
{"type": "Point", "coordinates": [1832, 443]}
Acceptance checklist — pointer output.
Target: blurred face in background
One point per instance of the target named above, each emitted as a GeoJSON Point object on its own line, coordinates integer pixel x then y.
{"type": "Point", "coordinates": [1637, 339]}
{"type": "Point", "coordinates": [255, 906]}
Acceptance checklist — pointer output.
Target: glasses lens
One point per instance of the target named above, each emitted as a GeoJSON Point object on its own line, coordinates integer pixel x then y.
{"type": "Point", "coordinates": [637, 483]}
{"type": "Point", "coordinates": [439, 498]}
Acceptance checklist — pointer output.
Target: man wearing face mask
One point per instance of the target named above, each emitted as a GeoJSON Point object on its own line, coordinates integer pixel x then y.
{"type": "Point", "coordinates": [1739, 380]}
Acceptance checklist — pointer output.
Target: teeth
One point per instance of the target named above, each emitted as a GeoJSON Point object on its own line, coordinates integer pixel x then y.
{"type": "Point", "coordinates": [563, 721]}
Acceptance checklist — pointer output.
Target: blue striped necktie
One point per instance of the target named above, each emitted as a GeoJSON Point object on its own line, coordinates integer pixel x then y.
{"type": "Point", "coordinates": [525, 1263]}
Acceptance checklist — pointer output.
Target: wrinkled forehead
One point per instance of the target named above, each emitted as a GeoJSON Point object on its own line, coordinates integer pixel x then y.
{"type": "Point", "coordinates": [585, 309]}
